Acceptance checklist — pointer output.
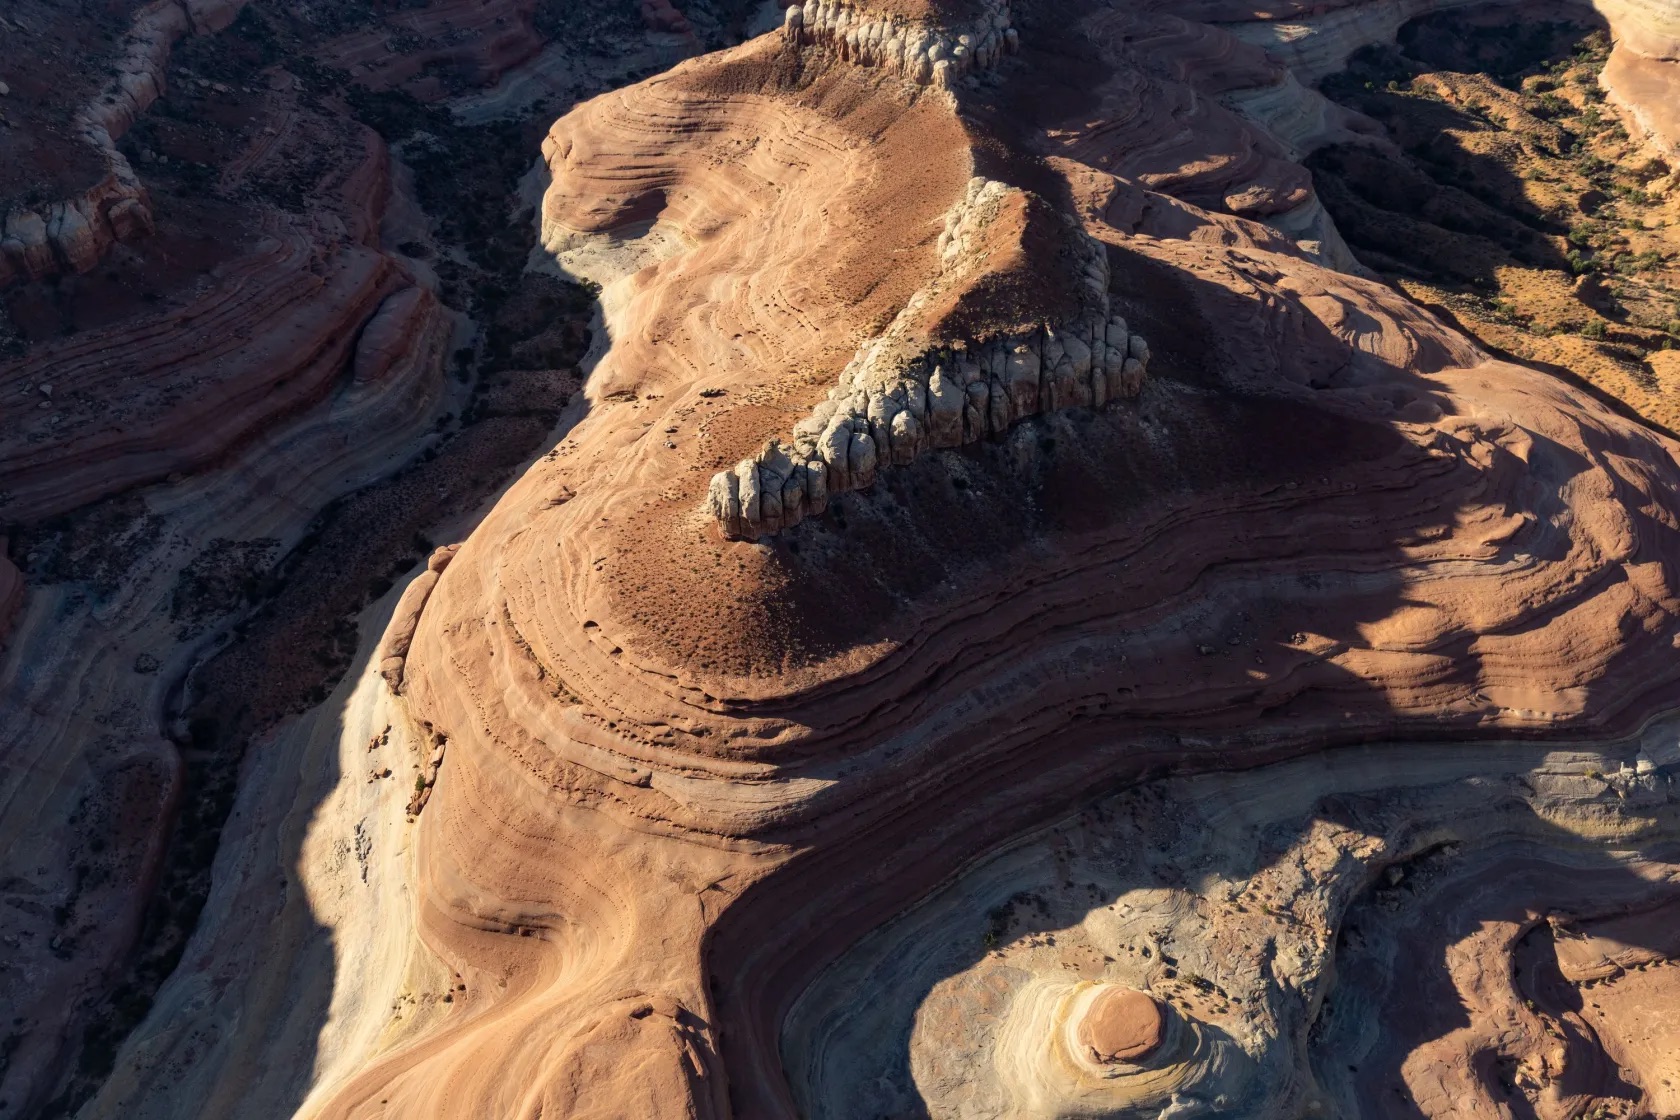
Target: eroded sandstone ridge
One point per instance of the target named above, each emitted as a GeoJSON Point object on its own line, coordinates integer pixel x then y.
{"type": "Point", "coordinates": [900, 689]}
{"type": "Point", "coordinates": [72, 234]}
{"type": "Point", "coordinates": [711, 832]}
{"type": "Point", "coordinates": [238, 400]}
{"type": "Point", "coordinates": [889, 407]}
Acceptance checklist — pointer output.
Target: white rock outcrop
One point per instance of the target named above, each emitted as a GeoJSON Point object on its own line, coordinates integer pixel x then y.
{"type": "Point", "coordinates": [925, 54]}
{"type": "Point", "coordinates": [888, 409]}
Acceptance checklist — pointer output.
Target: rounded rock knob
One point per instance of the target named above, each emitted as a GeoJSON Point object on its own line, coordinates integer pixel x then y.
{"type": "Point", "coordinates": [1120, 1025]}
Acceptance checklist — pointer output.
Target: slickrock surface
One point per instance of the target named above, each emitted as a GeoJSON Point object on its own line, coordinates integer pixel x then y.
{"type": "Point", "coordinates": [100, 643]}
{"type": "Point", "coordinates": [1402, 929]}
{"type": "Point", "coordinates": [685, 780]}
{"type": "Point", "coordinates": [1284, 728]}
{"type": "Point", "coordinates": [445, 48]}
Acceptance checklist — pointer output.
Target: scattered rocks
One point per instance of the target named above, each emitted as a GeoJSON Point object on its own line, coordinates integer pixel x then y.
{"type": "Point", "coordinates": [1590, 202]}
{"type": "Point", "coordinates": [1592, 291]}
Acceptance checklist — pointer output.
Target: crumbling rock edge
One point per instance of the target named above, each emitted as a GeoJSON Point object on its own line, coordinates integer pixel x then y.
{"type": "Point", "coordinates": [886, 411]}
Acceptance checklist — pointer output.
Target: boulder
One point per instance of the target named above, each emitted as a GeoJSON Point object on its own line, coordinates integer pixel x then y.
{"type": "Point", "coordinates": [945, 410]}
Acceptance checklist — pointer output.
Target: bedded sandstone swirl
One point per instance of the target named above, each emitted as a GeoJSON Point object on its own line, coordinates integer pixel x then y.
{"type": "Point", "coordinates": [108, 660]}
{"type": "Point", "coordinates": [1191, 110]}
{"type": "Point", "coordinates": [208, 376]}
{"type": "Point", "coordinates": [1350, 936]}
{"type": "Point", "coordinates": [683, 776]}
{"type": "Point", "coordinates": [444, 46]}
{"type": "Point", "coordinates": [267, 338]}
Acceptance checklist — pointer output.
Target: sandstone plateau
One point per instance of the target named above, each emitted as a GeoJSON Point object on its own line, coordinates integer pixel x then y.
{"type": "Point", "coordinates": [864, 558]}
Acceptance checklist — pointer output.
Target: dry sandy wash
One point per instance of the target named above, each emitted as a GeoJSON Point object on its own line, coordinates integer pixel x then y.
{"type": "Point", "coordinates": [1018, 623]}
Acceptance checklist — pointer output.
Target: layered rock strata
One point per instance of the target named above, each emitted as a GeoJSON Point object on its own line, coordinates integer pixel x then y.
{"type": "Point", "coordinates": [448, 46]}
{"type": "Point", "coordinates": [87, 818]}
{"type": "Point", "coordinates": [271, 337]}
{"type": "Point", "coordinates": [886, 412]}
{"type": "Point", "coordinates": [1447, 928]}
{"type": "Point", "coordinates": [1072, 1047]}
{"type": "Point", "coordinates": [731, 829]}
{"type": "Point", "coordinates": [926, 52]}
{"type": "Point", "coordinates": [283, 300]}
{"type": "Point", "coordinates": [1166, 86]}
{"type": "Point", "coordinates": [271, 333]}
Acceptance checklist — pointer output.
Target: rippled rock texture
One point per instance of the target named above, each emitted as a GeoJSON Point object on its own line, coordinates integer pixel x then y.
{"type": "Point", "coordinates": [1280, 730]}
{"type": "Point", "coordinates": [1403, 929]}
{"type": "Point", "coordinates": [696, 791]}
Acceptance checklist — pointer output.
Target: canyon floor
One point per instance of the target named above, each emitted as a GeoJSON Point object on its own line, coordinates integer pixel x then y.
{"type": "Point", "coordinates": [870, 558]}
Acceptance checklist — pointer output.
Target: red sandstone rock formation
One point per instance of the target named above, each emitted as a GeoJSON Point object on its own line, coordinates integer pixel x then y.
{"type": "Point", "coordinates": [71, 234]}
{"type": "Point", "coordinates": [474, 41]}
{"type": "Point", "coordinates": [685, 774]}
{"type": "Point", "coordinates": [661, 15]}
{"type": "Point", "coordinates": [685, 767]}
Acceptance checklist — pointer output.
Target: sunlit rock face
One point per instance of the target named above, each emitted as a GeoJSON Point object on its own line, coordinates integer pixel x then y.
{"type": "Point", "coordinates": [1022, 621]}
{"type": "Point", "coordinates": [766, 727]}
